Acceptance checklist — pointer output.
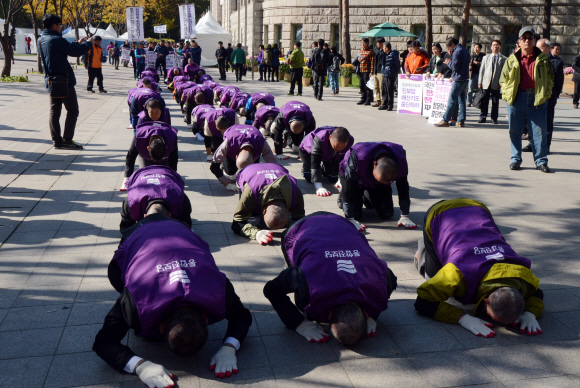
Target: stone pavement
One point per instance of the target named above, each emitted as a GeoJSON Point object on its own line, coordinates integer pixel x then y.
{"type": "Point", "coordinates": [59, 227]}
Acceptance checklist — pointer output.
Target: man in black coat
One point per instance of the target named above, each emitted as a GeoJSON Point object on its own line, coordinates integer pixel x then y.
{"type": "Point", "coordinates": [221, 55]}
{"type": "Point", "coordinates": [320, 62]}
{"type": "Point", "coordinates": [229, 51]}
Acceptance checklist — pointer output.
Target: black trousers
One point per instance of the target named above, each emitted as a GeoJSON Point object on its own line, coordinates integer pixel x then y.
{"type": "Point", "coordinates": [366, 95]}
{"type": "Point", "coordinates": [72, 113]}
{"type": "Point", "coordinates": [239, 68]}
{"type": "Point", "coordinates": [95, 73]}
{"type": "Point", "coordinates": [161, 63]}
{"type": "Point", "coordinates": [389, 92]}
{"type": "Point", "coordinates": [329, 169]}
{"type": "Point", "coordinates": [318, 83]}
{"type": "Point", "coordinates": [379, 198]}
{"type": "Point", "coordinates": [576, 97]}
{"type": "Point", "coordinates": [296, 78]}
{"type": "Point", "coordinates": [116, 62]}
{"type": "Point", "coordinates": [222, 68]}
{"type": "Point", "coordinates": [495, 96]}
{"type": "Point", "coordinates": [551, 108]}
{"type": "Point", "coordinates": [275, 70]}
{"type": "Point", "coordinates": [132, 155]}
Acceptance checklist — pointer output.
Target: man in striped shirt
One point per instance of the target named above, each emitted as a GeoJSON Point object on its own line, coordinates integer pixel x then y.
{"type": "Point", "coordinates": [366, 58]}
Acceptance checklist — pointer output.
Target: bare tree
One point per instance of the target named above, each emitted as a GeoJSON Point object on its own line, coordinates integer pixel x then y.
{"type": "Point", "coordinates": [10, 8]}
{"type": "Point", "coordinates": [546, 22]}
{"type": "Point", "coordinates": [34, 6]}
{"type": "Point", "coordinates": [428, 27]}
{"type": "Point", "coordinates": [465, 23]}
{"type": "Point", "coordinates": [345, 38]}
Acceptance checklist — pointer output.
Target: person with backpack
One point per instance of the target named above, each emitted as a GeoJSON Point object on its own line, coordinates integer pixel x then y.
{"type": "Point", "coordinates": [336, 60]}
{"type": "Point", "coordinates": [110, 51]}
{"type": "Point", "coordinates": [320, 62]}
{"type": "Point", "coordinates": [116, 54]}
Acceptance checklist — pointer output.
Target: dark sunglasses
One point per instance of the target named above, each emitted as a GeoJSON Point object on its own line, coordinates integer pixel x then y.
{"type": "Point", "coordinates": [527, 38]}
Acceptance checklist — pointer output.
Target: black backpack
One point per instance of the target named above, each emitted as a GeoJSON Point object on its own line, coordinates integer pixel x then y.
{"type": "Point", "coordinates": [318, 60]}
{"type": "Point", "coordinates": [335, 67]}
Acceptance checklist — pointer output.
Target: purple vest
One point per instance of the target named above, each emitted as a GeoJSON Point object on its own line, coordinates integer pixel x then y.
{"type": "Point", "coordinates": [239, 100]}
{"type": "Point", "coordinates": [211, 84]}
{"type": "Point", "coordinates": [366, 152]}
{"type": "Point", "coordinates": [148, 73]}
{"type": "Point", "coordinates": [217, 90]}
{"type": "Point", "coordinates": [337, 270]}
{"type": "Point", "coordinates": [179, 79]}
{"type": "Point", "coordinates": [170, 74]}
{"type": "Point", "coordinates": [212, 116]}
{"type": "Point", "coordinates": [207, 92]}
{"type": "Point", "coordinates": [199, 113]}
{"type": "Point", "coordinates": [165, 266]}
{"type": "Point", "coordinates": [468, 238]}
{"type": "Point", "coordinates": [228, 93]}
{"type": "Point", "coordinates": [141, 95]}
{"type": "Point", "coordinates": [205, 77]}
{"type": "Point", "coordinates": [240, 134]}
{"type": "Point", "coordinates": [260, 175]}
{"type": "Point", "coordinates": [130, 94]}
{"type": "Point", "coordinates": [180, 87]}
{"type": "Point", "coordinates": [154, 182]}
{"type": "Point", "coordinates": [149, 68]}
{"type": "Point", "coordinates": [189, 93]}
{"type": "Point", "coordinates": [323, 133]}
{"type": "Point", "coordinates": [296, 109]}
{"type": "Point", "coordinates": [165, 116]}
{"type": "Point", "coordinates": [266, 98]}
{"type": "Point", "coordinates": [144, 131]}
{"type": "Point", "coordinates": [154, 85]}
{"type": "Point", "coordinates": [263, 112]}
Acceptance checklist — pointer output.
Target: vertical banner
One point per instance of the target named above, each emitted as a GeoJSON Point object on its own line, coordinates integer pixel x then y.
{"type": "Point", "coordinates": [135, 31]}
{"type": "Point", "coordinates": [125, 54]}
{"type": "Point", "coordinates": [428, 95]}
{"type": "Point", "coordinates": [187, 20]}
{"type": "Point", "coordinates": [410, 94]}
{"type": "Point", "coordinates": [170, 60]}
{"type": "Point", "coordinates": [442, 90]}
{"type": "Point", "coordinates": [151, 59]}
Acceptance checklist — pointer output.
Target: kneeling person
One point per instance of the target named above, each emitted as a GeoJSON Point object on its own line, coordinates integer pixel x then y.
{"type": "Point", "coordinates": [464, 255]}
{"type": "Point", "coordinates": [339, 281]}
{"type": "Point", "coordinates": [264, 118]}
{"type": "Point", "coordinates": [293, 123]}
{"type": "Point", "coordinates": [270, 199]}
{"type": "Point", "coordinates": [171, 289]}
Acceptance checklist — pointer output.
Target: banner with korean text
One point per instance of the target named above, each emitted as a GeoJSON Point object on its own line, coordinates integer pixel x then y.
{"type": "Point", "coordinates": [187, 20]}
{"type": "Point", "coordinates": [151, 59]}
{"type": "Point", "coordinates": [410, 94]}
{"type": "Point", "coordinates": [135, 31]}
{"type": "Point", "coordinates": [442, 91]}
{"type": "Point", "coordinates": [428, 95]}
{"type": "Point", "coordinates": [125, 54]}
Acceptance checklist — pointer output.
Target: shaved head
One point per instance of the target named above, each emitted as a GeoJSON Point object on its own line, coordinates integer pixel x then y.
{"type": "Point", "coordinates": [297, 126]}
{"type": "Point", "coordinates": [185, 331]}
{"type": "Point", "coordinates": [199, 98]}
{"type": "Point", "coordinates": [385, 170]}
{"type": "Point", "coordinates": [276, 215]}
{"type": "Point", "coordinates": [244, 158]}
{"type": "Point", "coordinates": [348, 323]}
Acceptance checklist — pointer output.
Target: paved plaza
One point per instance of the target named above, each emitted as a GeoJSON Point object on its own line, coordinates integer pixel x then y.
{"type": "Point", "coordinates": [59, 224]}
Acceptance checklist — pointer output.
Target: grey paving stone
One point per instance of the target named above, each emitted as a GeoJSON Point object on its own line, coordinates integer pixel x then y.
{"type": "Point", "coordinates": [294, 349]}
{"type": "Point", "coordinates": [37, 317]}
{"type": "Point", "coordinates": [96, 292]}
{"type": "Point", "coordinates": [427, 337]}
{"type": "Point", "coordinates": [563, 354]}
{"type": "Point", "coordinates": [24, 372]}
{"type": "Point", "coordinates": [380, 346]}
{"type": "Point", "coordinates": [269, 323]}
{"type": "Point", "coordinates": [394, 372]}
{"type": "Point", "coordinates": [46, 295]}
{"type": "Point", "coordinates": [65, 371]}
{"type": "Point", "coordinates": [262, 377]}
{"type": "Point", "coordinates": [29, 343]}
{"type": "Point", "coordinates": [560, 300]}
{"type": "Point", "coordinates": [447, 369]}
{"type": "Point", "coordinates": [77, 339]}
{"type": "Point", "coordinates": [89, 313]}
{"type": "Point", "coordinates": [556, 382]}
{"type": "Point", "coordinates": [7, 297]}
{"type": "Point", "coordinates": [303, 376]}
{"type": "Point", "coordinates": [516, 362]}
{"type": "Point", "coordinates": [402, 312]}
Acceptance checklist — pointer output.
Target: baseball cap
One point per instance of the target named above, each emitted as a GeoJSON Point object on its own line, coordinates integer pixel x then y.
{"type": "Point", "coordinates": [526, 29]}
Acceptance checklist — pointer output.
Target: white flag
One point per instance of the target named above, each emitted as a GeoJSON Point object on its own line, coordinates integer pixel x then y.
{"type": "Point", "coordinates": [135, 31]}
{"type": "Point", "coordinates": [187, 20]}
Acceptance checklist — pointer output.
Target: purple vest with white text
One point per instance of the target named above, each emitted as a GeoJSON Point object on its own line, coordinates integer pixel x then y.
{"type": "Point", "coordinates": [212, 116]}
{"type": "Point", "coordinates": [228, 93]}
{"type": "Point", "coordinates": [265, 98]}
{"type": "Point", "coordinates": [240, 134]}
{"type": "Point", "coordinates": [144, 131]}
{"type": "Point", "coordinates": [260, 175]}
{"type": "Point", "coordinates": [323, 133]}
{"type": "Point", "coordinates": [199, 113]}
{"type": "Point", "coordinates": [239, 100]}
{"type": "Point", "coordinates": [293, 109]}
{"type": "Point", "coordinates": [262, 114]}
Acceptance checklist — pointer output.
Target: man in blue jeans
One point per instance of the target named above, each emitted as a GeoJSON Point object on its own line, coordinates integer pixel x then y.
{"type": "Point", "coordinates": [459, 65]}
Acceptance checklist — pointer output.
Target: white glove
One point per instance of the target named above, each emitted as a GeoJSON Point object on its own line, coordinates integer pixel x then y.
{"type": "Point", "coordinates": [199, 136]}
{"type": "Point", "coordinates": [264, 131]}
{"type": "Point", "coordinates": [312, 332]}
{"type": "Point", "coordinates": [371, 327]}
{"type": "Point", "coordinates": [295, 148]}
{"type": "Point", "coordinates": [232, 187]}
{"type": "Point", "coordinates": [189, 126]}
{"type": "Point", "coordinates": [264, 237]}
{"type": "Point", "coordinates": [321, 191]}
{"type": "Point", "coordinates": [406, 222]}
{"type": "Point", "coordinates": [529, 323]}
{"type": "Point", "coordinates": [282, 157]}
{"type": "Point", "coordinates": [124, 185]}
{"type": "Point", "coordinates": [209, 158]}
{"type": "Point", "coordinates": [338, 185]}
{"type": "Point", "coordinates": [360, 227]}
{"type": "Point", "coordinates": [224, 362]}
{"type": "Point", "coordinates": [477, 326]}
{"type": "Point", "coordinates": [154, 375]}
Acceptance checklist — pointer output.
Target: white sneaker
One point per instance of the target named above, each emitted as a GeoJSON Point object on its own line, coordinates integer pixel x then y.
{"type": "Point", "coordinates": [124, 185]}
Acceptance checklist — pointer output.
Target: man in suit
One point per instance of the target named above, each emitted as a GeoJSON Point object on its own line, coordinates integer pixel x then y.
{"type": "Point", "coordinates": [489, 75]}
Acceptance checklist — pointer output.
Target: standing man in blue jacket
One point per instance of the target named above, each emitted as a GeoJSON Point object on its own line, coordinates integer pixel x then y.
{"type": "Point", "coordinates": [54, 51]}
{"type": "Point", "coordinates": [162, 52]}
{"type": "Point", "coordinates": [391, 69]}
{"type": "Point", "coordinates": [195, 53]}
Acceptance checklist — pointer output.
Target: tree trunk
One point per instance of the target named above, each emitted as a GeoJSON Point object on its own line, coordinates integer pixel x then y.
{"type": "Point", "coordinates": [429, 27]}
{"type": "Point", "coordinates": [345, 44]}
{"type": "Point", "coordinates": [546, 23]}
{"type": "Point", "coordinates": [36, 35]}
{"type": "Point", "coordinates": [8, 54]}
{"type": "Point", "coordinates": [465, 23]}
{"type": "Point", "coordinates": [77, 39]}
{"type": "Point", "coordinates": [339, 43]}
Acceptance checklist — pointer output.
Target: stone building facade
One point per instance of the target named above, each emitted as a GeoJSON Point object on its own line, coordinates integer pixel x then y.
{"type": "Point", "coordinates": [284, 21]}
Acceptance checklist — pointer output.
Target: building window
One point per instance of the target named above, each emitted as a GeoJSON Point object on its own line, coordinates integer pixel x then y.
{"type": "Point", "coordinates": [469, 35]}
{"type": "Point", "coordinates": [419, 30]}
{"type": "Point", "coordinates": [335, 36]}
{"type": "Point", "coordinates": [266, 38]}
{"type": "Point", "coordinates": [278, 35]}
{"type": "Point", "coordinates": [297, 32]}
{"type": "Point", "coordinates": [510, 39]}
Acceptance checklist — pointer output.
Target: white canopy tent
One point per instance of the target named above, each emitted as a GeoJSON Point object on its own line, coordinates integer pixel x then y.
{"type": "Point", "coordinates": [208, 33]}
{"type": "Point", "coordinates": [111, 31]}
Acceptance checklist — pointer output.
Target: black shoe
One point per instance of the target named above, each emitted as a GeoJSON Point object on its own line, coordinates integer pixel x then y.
{"type": "Point", "coordinates": [527, 148]}
{"type": "Point", "coordinates": [58, 146]}
{"type": "Point", "coordinates": [360, 102]}
{"type": "Point", "coordinates": [383, 107]}
{"type": "Point", "coordinates": [469, 105]}
{"type": "Point", "coordinates": [90, 91]}
{"type": "Point", "coordinates": [290, 93]}
{"type": "Point", "coordinates": [390, 109]}
{"type": "Point", "coordinates": [71, 146]}
{"type": "Point", "coordinates": [494, 121]}
{"type": "Point", "coordinates": [367, 103]}
{"type": "Point", "coordinates": [319, 98]}
{"type": "Point", "coordinates": [543, 168]}
{"type": "Point", "coordinates": [367, 203]}
{"type": "Point", "coordinates": [481, 121]}
{"type": "Point", "coordinates": [102, 91]}
{"type": "Point", "coordinates": [514, 166]}
{"type": "Point", "coordinates": [299, 94]}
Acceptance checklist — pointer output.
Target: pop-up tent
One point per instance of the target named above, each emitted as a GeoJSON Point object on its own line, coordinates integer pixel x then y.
{"type": "Point", "coordinates": [208, 33]}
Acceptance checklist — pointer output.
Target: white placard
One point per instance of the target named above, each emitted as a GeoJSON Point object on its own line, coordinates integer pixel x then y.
{"type": "Point", "coordinates": [160, 29]}
{"type": "Point", "coordinates": [180, 61]}
{"type": "Point", "coordinates": [428, 95]}
{"type": "Point", "coordinates": [442, 90]}
{"type": "Point", "coordinates": [410, 94]}
{"type": "Point", "coordinates": [170, 60]}
{"type": "Point", "coordinates": [125, 54]}
{"type": "Point", "coordinates": [151, 58]}
{"type": "Point", "coordinates": [135, 31]}
{"type": "Point", "coordinates": [187, 20]}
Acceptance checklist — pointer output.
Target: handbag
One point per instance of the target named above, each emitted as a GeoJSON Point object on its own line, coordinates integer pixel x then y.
{"type": "Point", "coordinates": [576, 77]}
{"type": "Point", "coordinates": [57, 84]}
{"type": "Point", "coordinates": [478, 99]}
{"type": "Point", "coordinates": [103, 58]}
